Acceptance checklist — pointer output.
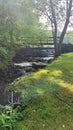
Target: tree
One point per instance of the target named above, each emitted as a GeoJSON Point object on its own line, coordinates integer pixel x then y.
{"type": "Point", "coordinates": [17, 20]}
{"type": "Point", "coordinates": [58, 12]}
{"type": "Point", "coordinates": [15, 16]}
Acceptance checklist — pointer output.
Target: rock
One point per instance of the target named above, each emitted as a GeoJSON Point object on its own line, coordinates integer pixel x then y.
{"type": "Point", "coordinates": [38, 65]}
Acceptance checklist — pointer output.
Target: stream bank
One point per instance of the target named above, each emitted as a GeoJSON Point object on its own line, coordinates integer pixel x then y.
{"type": "Point", "coordinates": [15, 70]}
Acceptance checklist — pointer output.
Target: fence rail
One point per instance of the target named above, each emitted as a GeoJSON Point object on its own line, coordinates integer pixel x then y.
{"type": "Point", "coordinates": [38, 41]}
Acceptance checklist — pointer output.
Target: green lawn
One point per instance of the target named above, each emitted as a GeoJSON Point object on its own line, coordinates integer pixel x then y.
{"type": "Point", "coordinates": [49, 95]}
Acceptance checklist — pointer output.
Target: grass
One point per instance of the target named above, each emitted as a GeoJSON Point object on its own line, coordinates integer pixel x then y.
{"type": "Point", "coordinates": [49, 95]}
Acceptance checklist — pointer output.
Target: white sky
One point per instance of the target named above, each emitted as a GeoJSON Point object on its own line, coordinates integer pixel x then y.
{"type": "Point", "coordinates": [44, 21]}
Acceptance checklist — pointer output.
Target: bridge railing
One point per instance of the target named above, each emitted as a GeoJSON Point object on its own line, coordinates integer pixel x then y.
{"type": "Point", "coordinates": [38, 41]}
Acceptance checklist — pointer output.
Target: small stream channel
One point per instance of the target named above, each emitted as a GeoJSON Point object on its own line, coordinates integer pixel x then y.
{"type": "Point", "coordinates": [14, 71]}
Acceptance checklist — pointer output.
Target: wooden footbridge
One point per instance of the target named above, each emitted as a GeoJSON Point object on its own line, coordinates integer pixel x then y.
{"type": "Point", "coordinates": [41, 44]}
{"type": "Point", "coordinates": [38, 49]}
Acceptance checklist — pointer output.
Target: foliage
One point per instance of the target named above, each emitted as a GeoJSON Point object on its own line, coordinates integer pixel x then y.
{"type": "Point", "coordinates": [69, 37]}
{"type": "Point", "coordinates": [9, 117]}
{"type": "Point", "coordinates": [3, 57]}
{"type": "Point", "coordinates": [48, 94]}
{"type": "Point", "coordinates": [15, 17]}
{"type": "Point", "coordinates": [6, 54]}
{"type": "Point", "coordinates": [19, 26]}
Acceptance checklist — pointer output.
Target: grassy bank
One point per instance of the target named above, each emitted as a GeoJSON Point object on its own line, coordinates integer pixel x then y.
{"type": "Point", "coordinates": [48, 94]}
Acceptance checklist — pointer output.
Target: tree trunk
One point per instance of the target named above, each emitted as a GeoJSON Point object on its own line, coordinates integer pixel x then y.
{"type": "Point", "coordinates": [54, 28]}
{"type": "Point", "coordinates": [11, 33]}
{"type": "Point", "coordinates": [66, 24]}
{"type": "Point", "coordinates": [56, 50]}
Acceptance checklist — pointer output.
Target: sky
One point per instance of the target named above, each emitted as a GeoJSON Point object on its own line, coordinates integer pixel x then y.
{"type": "Point", "coordinates": [44, 21]}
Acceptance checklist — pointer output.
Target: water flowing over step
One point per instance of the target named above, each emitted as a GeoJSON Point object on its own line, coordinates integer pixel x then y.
{"type": "Point", "coordinates": [39, 62]}
{"type": "Point", "coordinates": [30, 65]}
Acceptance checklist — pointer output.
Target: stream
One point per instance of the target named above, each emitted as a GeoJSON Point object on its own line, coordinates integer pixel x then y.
{"type": "Point", "coordinates": [16, 70]}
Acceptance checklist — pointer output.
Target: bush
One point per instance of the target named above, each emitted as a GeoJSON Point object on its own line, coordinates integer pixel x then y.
{"type": "Point", "coordinates": [3, 57]}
